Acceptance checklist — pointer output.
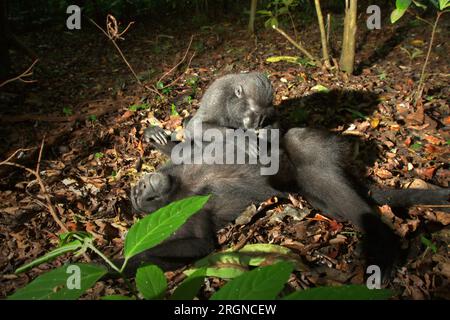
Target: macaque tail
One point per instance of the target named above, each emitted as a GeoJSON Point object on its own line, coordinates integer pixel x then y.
{"type": "Point", "coordinates": [411, 197]}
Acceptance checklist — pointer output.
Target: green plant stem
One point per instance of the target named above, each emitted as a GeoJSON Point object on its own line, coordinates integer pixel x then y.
{"type": "Point", "coordinates": [93, 248]}
{"type": "Point", "coordinates": [111, 264]}
{"type": "Point", "coordinates": [430, 46]}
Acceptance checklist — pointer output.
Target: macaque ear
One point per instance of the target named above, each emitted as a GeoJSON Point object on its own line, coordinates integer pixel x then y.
{"type": "Point", "coordinates": [238, 91]}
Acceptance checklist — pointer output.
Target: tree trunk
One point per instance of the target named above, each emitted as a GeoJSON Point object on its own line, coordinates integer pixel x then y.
{"type": "Point", "coordinates": [349, 37]}
{"type": "Point", "coordinates": [251, 21]}
{"type": "Point", "coordinates": [5, 61]}
{"type": "Point", "coordinates": [323, 36]}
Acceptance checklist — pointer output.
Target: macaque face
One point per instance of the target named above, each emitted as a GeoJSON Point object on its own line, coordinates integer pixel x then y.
{"type": "Point", "coordinates": [253, 105]}
{"type": "Point", "coordinates": [151, 193]}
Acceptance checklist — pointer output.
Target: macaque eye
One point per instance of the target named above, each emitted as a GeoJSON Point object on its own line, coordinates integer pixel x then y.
{"type": "Point", "coordinates": [238, 91]}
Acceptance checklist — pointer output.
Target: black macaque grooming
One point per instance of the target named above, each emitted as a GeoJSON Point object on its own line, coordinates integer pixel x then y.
{"type": "Point", "coordinates": [232, 189]}
{"type": "Point", "coordinates": [234, 101]}
{"type": "Point", "coordinates": [311, 163]}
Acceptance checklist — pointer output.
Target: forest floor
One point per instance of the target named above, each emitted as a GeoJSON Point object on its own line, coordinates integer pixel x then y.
{"type": "Point", "coordinates": [92, 113]}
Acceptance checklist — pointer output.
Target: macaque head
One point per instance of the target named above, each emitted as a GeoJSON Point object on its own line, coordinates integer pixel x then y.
{"type": "Point", "coordinates": [251, 105]}
{"type": "Point", "coordinates": [151, 192]}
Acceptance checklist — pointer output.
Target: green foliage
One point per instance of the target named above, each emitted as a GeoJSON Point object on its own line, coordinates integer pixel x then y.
{"type": "Point", "coordinates": [151, 282]}
{"type": "Point", "coordinates": [277, 9]}
{"type": "Point", "coordinates": [415, 53]}
{"type": "Point", "coordinates": [416, 146]}
{"type": "Point", "coordinates": [402, 5]}
{"type": "Point", "coordinates": [173, 110]}
{"type": "Point", "coordinates": [53, 285]}
{"type": "Point", "coordinates": [69, 247]}
{"type": "Point", "coordinates": [400, 8]}
{"type": "Point", "coordinates": [231, 264]}
{"type": "Point", "coordinates": [158, 226]}
{"type": "Point", "coordinates": [189, 288]}
{"type": "Point", "coordinates": [320, 88]}
{"type": "Point", "coordinates": [67, 111]}
{"type": "Point", "coordinates": [428, 243]}
{"type": "Point", "coordinates": [92, 118]}
{"type": "Point", "coordinates": [350, 292]}
{"type": "Point", "coordinates": [98, 155]}
{"type": "Point", "coordinates": [263, 283]}
{"type": "Point", "coordinates": [136, 107]}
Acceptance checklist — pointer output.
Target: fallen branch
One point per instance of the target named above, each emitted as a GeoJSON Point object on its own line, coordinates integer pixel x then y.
{"type": "Point", "coordinates": [26, 73]}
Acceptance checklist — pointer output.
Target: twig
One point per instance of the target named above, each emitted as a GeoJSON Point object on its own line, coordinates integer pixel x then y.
{"type": "Point", "coordinates": [26, 73]}
{"type": "Point", "coordinates": [187, 67]}
{"type": "Point", "coordinates": [179, 63]}
{"type": "Point", "coordinates": [421, 85]}
{"type": "Point", "coordinates": [49, 206]}
{"type": "Point", "coordinates": [297, 45]}
{"type": "Point", "coordinates": [419, 18]}
{"type": "Point", "coordinates": [293, 26]}
{"type": "Point", "coordinates": [113, 34]}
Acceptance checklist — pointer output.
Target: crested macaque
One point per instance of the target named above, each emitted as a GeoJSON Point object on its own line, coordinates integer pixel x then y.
{"type": "Point", "coordinates": [311, 163]}
{"type": "Point", "coordinates": [234, 101]}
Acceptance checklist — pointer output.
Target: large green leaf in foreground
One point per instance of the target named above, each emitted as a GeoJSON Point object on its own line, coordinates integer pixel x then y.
{"type": "Point", "coordinates": [53, 285]}
{"type": "Point", "coordinates": [151, 282]}
{"type": "Point", "coordinates": [262, 283]}
{"type": "Point", "coordinates": [158, 226]}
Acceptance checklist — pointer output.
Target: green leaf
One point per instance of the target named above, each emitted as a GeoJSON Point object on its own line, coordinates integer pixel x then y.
{"type": "Point", "coordinates": [116, 297]}
{"type": "Point", "coordinates": [397, 14]}
{"type": "Point", "coordinates": [419, 4]}
{"type": "Point", "coordinates": [272, 22]}
{"type": "Point", "coordinates": [69, 247]}
{"type": "Point", "coordinates": [158, 226]}
{"type": "Point", "coordinates": [290, 59]}
{"type": "Point", "coordinates": [416, 146]}
{"type": "Point", "coordinates": [98, 155]}
{"type": "Point", "coordinates": [262, 283]}
{"type": "Point", "coordinates": [189, 288]}
{"type": "Point", "coordinates": [69, 236]}
{"type": "Point", "coordinates": [402, 4]}
{"type": "Point", "coordinates": [173, 110]}
{"type": "Point", "coordinates": [428, 243]}
{"type": "Point", "coordinates": [151, 282]}
{"type": "Point", "coordinates": [249, 255]}
{"type": "Point", "coordinates": [283, 10]}
{"type": "Point", "coordinates": [264, 12]}
{"type": "Point", "coordinates": [228, 272]}
{"type": "Point", "coordinates": [53, 285]}
{"type": "Point", "coordinates": [443, 4]}
{"type": "Point", "coordinates": [67, 111]}
{"type": "Point", "coordinates": [350, 292]}
{"type": "Point", "coordinates": [159, 85]}
{"type": "Point", "coordinates": [320, 88]}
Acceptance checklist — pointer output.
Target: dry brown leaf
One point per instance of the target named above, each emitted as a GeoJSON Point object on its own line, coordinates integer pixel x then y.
{"type": "Point", "coordinates": [383, 173]}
